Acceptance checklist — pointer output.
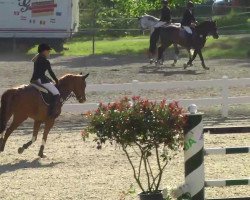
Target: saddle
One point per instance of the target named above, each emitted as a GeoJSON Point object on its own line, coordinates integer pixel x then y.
{"type": "Point", "coordinates": [46, 95]}
{"type": "Point", "coordinates": [175, 25]}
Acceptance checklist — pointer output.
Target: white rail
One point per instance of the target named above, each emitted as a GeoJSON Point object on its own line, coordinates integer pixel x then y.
{"type": "Point", "coordinates": [224, 100]}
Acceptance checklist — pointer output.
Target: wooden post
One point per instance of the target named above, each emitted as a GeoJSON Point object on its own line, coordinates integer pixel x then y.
{"type": "Point", "coordinates": [225, 97]}
{"type": "Point", "coordinates": [93, 43]}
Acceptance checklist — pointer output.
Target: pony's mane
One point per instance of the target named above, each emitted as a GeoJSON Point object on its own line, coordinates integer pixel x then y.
{"type": "Point", "coordinates": [66, 78]}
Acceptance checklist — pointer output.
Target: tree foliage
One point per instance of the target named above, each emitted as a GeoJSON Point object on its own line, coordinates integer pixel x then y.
{"type": "Point", "coordinates": [110, 14]}
{"type": "Point", "coordinates": [129, 8]}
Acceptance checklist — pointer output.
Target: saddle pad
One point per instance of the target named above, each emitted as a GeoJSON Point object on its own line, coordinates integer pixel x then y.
{"type": "Point", "coordinates": [175, 25]}
{"type": "Point", "coordinates": [39, 88]}
{"type": "Point", "coordinates": [45, 94]}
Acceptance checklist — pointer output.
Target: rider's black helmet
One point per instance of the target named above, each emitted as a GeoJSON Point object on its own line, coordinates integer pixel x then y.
{"type": "Point", "coordinates": [165, 2]}
{"type": "Point", "coordinates": [190, 4]}
{"type": "Point", "coordinates": [43, 47]}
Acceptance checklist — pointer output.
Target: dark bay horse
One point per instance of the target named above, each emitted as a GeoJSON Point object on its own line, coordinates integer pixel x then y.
{"type": "Point", "coordinates": [26, 102]}
{"type": "Point", "coordinates": [176, 35]}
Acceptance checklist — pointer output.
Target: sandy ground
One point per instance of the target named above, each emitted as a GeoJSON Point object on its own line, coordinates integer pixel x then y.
{"type": "Point", "coordinates": [77, 170]}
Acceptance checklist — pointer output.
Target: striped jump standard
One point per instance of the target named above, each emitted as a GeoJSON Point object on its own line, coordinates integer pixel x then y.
{"type": "Point", "coordinates": [194, 152]}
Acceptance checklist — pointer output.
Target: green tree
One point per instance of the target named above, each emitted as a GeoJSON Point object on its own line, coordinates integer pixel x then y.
{"type": "Point", "coordinates": [120, 13]}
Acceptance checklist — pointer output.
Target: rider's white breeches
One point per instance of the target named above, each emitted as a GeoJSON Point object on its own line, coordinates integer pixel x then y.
{"type": "Point", "coordinates": [50, 87]}
{"type": "Point", "coordinates": [188, 29]}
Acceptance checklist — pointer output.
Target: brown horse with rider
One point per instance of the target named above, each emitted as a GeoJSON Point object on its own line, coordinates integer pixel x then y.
{"type": "Point", "coordinates": [27, 101]}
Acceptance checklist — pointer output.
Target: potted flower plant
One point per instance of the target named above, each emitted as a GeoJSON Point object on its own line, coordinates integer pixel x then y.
{"type": "Point", "coordinates": [153, 130]}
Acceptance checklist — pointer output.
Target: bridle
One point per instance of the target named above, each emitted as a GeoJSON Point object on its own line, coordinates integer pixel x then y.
{"type": "Point", "coordinates": [73, 96]}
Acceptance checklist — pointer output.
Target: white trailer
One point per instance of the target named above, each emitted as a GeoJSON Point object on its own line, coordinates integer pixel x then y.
{"type": "Point", "coordinates": [28, 22]}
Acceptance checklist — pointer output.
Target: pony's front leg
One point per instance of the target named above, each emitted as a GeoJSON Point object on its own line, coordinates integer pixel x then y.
{"type": "Point", "coordinates": [36, 128]}
{"type": "Point", "coordinates": [190, 62]}
{"type": "Point", "coordinates": [202, 60]}
{"type": "Point", "coordinates": [48, 125]}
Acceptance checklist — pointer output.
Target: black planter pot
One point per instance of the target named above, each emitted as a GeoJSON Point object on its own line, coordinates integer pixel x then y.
{"type": "Point", "coordinates": [154, 196]}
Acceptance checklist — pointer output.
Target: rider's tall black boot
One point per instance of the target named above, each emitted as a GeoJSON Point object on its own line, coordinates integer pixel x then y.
{"type": "Point", "coordinates": [54, 107]}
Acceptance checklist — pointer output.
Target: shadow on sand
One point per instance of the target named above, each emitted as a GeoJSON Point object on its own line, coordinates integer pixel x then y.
{"type": "Point", "coordinates": [100, 61]}
{"type": "Point", "coordinates": [169, 71]}
{"type": "Point", "coordinates": [25, 164]}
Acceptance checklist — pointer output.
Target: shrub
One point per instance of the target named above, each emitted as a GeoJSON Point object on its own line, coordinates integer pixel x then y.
{"type": "Point", "coordinates": [153, 130]}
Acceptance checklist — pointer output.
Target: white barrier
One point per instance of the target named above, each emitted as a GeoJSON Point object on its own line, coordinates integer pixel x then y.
{"type": "Point", "coordinates": [224, 100]}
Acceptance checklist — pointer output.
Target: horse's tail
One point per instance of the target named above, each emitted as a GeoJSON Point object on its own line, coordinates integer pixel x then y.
{"type": "Point", "coordinates": [5, 109]}
{"type": "Point", "coordinates": [154, 38]}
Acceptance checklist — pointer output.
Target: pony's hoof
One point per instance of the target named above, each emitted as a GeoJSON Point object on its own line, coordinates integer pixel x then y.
{"type": "Point", "coordinates": [151, 61]}
{"type": "Point", "coordinates": [20, 150]}
{"type": "Point", "coordinates": [173, 65]}
{"type": "Point", "coordinates": [185, 66]}
{"type": "Point", "coordinates": [42, 155]}
{"type": "Point", "coordinates": [205, 67]}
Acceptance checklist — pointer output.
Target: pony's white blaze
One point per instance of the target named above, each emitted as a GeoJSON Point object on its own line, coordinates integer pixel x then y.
{"type": "Point", "coordinates": [43, 142]}
{"type": "Point", "coordinates": [2, 135]}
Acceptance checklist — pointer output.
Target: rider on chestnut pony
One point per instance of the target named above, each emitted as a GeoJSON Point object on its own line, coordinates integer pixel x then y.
{"type": "Point", "coordinates": [41, 65]}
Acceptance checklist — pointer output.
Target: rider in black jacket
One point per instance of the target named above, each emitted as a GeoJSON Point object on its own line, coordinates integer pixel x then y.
{"type": "Point", "coordinates": [165, 18]}
{"type": "Point", "coordinates": [188, 17]}
{"type": "Point", "coordinates": [188, 21]}
{"type": "Point", "coordinates": [165, 12]}
{"type": "Point", "coordinates": [41, 65]}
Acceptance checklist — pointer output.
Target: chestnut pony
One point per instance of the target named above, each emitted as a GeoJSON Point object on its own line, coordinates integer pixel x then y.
{"type": "Point", "coordinates": [26, 102]}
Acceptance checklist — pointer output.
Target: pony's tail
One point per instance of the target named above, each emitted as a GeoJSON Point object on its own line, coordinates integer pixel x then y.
{"type": "Point", "coordinates": [153, 41]}
{"type": "Point", "coordinates": [5, 109]}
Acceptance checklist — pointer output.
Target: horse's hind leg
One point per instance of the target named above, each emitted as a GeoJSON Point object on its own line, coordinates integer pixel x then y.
{"type": "Point", "coordinates": [2, 134]}
{"type": "Point", "coordinates": [161, 50]}
{"type": "Point", "coordinates": [48, 125]}
{"type": "Point", "coordinates": [17, 121]}
{"type": "Point", "coordinates": [176, 56]}
{"type": "Point", "coordinates": [36, 128]}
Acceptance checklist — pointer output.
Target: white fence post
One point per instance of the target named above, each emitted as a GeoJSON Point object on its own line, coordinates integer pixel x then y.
{"type": "Point", "coordinates": [225, 96]}
{"type": "Point", "coordinates": [135, 88]}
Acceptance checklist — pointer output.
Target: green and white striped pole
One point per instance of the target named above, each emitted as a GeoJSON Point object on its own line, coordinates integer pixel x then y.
{"type": "Point", "coordinates": [194, 155]}
{"type": "Point", "coordinates": [227, 182]}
